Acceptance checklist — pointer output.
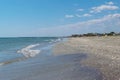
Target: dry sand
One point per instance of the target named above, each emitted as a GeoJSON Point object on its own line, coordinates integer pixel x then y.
{"type": "Point", "coordinates": [103, 53]}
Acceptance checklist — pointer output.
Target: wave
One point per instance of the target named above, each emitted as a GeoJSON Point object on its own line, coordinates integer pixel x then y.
{"type": "Point", "coordinates": [54, 41]}
{"type": "Point", "coordinates": [28, 51]}
{"type": "Point", "coordinates": [12, 61]}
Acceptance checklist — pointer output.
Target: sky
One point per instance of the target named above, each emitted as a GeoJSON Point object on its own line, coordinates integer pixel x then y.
{"type": "Point", "coordinates": [36, 18]}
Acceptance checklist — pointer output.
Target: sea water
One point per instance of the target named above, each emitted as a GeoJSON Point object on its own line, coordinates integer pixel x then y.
{"type": "Point", "coordinates": [31, 59]}
{"type": "Point", "coordinates": [12, 49]}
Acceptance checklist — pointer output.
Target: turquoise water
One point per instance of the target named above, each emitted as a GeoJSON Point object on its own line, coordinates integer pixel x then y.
{"type": "Point", "coordinates": [12, 48]}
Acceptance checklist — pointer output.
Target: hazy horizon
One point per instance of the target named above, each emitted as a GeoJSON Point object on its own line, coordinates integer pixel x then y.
{"type": "Point", "coordinates": [39, 18]}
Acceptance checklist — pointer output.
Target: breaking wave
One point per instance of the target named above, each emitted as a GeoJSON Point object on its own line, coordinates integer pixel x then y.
{"type": "Point", "coordinates": [54, 41]}
{"type": "Point", "coordinates": [28, 51]}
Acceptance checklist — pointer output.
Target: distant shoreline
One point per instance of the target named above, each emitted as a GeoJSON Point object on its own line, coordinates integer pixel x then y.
{"type": "Point", "coordinates": [96, 34]}
{"type": "Point", "coordinates": [103, 53]}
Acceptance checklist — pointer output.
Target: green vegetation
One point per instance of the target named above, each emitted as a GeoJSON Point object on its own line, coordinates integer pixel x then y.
{"type": "Point", "coordinates": [96, 34]}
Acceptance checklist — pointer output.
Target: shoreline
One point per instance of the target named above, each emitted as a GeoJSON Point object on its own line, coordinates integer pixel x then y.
{"type": "Point", "coordinates": [50, 67]}
{"type": "Point", "coordinates": [103, 53]}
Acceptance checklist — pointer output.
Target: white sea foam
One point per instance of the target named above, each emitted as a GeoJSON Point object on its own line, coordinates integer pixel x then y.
{"type": "Point", "coordinates": [54, 41]}
{"type": "Point", "coordinates": [28, 51]}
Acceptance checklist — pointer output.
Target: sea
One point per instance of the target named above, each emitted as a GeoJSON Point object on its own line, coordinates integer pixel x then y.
{"type": "Point", "coordinates": [31, 58]}
{"type": "Point", "coordinates": [18, 48]}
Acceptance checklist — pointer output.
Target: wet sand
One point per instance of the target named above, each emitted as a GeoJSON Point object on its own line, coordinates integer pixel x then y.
{"type": "Point", "coordinates": [49, 67]}
{"type": "Point", "coordinates": [103, 53]}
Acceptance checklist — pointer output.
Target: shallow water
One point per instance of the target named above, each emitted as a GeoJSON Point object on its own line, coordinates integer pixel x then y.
{"type": "Point", "coordinates": [13, 48]}
{"type": "Point", "coordinates": [65, 67]}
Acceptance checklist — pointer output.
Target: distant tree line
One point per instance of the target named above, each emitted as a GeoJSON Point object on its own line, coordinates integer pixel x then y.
{"type": "Point", "coordinates": [96, 34]}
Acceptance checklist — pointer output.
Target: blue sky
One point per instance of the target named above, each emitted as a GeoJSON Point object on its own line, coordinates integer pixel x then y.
{"type": "Point", "coordinates": [19, 18]}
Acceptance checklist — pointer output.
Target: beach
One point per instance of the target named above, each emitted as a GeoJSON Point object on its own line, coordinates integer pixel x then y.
{"type": "Point", "coordinates": [82, 58]}
{"type": "Point", "coordinates": [33, 59]}
{"type": "Point", "coordinates": [103, 53]}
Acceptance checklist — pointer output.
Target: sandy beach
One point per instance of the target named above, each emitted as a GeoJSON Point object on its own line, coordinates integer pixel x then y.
{"type": "Point", "coordinates": [45, 65]}
{"type": "Point", "coordinates": [103, 53]}
{"type": "Point", "coordinates": [85, 58]}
